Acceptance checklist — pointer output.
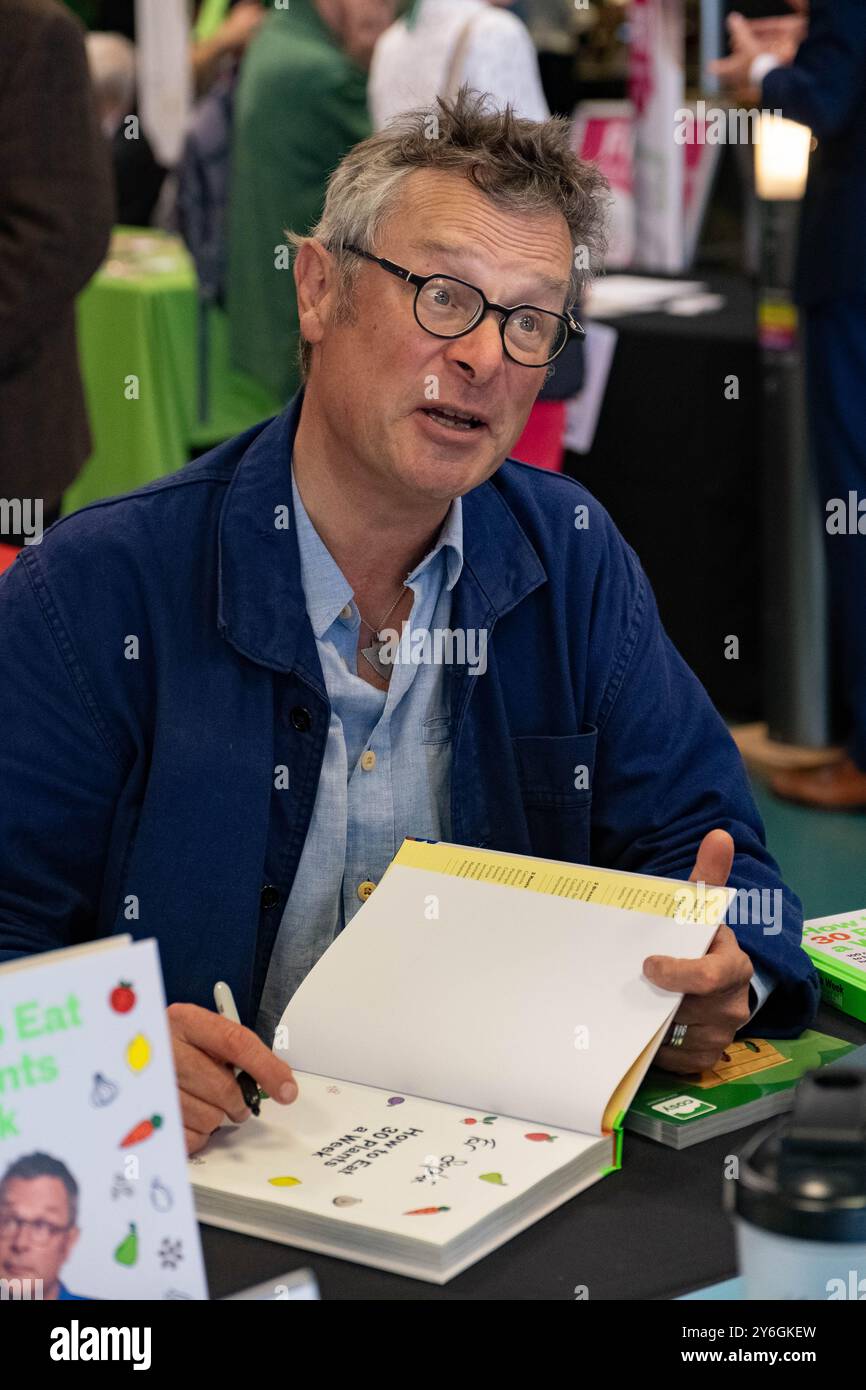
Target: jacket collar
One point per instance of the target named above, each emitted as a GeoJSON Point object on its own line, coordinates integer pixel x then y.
{"type": "Point", "coordinates": [261, 603]}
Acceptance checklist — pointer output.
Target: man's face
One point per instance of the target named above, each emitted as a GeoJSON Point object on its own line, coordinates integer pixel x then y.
{"type": "Point", "coordinates": [378, 376]}
{"type": "Point", "coordinates": [35, 1253]}
{"type": "Point", "coordinates": [360, 23]}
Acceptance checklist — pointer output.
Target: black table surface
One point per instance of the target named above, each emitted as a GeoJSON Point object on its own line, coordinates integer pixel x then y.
{"type": "Point", "coordinates": [679, 467]}
{"type": "Point", "coordinates": [655, 1229]}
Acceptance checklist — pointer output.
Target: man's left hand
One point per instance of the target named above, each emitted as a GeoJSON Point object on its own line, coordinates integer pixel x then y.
{"type": "Point", "coordinates": [716, 987]}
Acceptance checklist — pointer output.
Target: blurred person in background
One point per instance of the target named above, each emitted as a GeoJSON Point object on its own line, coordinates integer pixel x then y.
{"type": "Point", "coordinates": [301, 104]}
{"type": "Point", "coordinates": [227, 44]}
{"type": "Point", "coordinates": [439, 45]}
{"type": "Point", "coordinates": [56, 213]}
{"type": "Point", "coordinates": [230, 36]}
{"type": "Point", "coordinates": [433, 50]}
{"type": "Point", "coordinates": [137, 176]}
{"type": "Point", "coordinates": [821, 83]}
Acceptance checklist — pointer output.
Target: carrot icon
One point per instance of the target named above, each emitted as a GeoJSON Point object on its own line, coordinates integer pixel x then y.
{"type": "Point", "coordinates": [141, 1131]}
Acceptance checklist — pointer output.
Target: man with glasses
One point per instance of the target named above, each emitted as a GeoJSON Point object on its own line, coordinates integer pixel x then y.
{"type": "Point", "coordinates": [209, 732]}
{"type": "Point", "coordinates": [38, 1225]}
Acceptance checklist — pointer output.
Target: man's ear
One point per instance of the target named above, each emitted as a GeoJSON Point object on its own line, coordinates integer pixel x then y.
{"type": "Point", "coordinates": [315, 285]}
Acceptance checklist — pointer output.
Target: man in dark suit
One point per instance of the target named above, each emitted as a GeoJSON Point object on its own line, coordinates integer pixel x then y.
{"type": "Point", "coordinates": [56, 213]}
{"type": "Point", "coordinates": [823, 86]}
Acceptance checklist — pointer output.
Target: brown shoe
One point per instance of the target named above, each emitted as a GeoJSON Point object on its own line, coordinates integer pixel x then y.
{"type": "Point", "coordinates": [837, 786]}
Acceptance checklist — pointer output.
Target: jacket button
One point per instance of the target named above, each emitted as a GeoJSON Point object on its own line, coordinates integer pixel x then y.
{"type": "Point", "coordinates": [301, 719]}
{"type": "Point", "coordinates": [365, 889]}
{"type": "Point", "coordinates": [269, 897]}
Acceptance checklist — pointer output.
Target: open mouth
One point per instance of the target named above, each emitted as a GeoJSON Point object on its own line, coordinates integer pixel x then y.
{"type": "Point", "coordinates": [454, 419]}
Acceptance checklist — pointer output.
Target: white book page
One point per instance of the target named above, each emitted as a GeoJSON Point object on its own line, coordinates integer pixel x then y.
{"type": "Point", "coordinates": [382, 1160]}
{"type": "Point", "coordinates": [521, 1003]}
{"type": "Point", "coordinates": [85, 1063]}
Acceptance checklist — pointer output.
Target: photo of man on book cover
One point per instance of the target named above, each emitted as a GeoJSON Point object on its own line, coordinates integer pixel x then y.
{"type": "Point", "coordinates": [38, 1226]}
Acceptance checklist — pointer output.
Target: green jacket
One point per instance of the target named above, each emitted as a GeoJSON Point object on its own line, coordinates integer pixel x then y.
{"type": "Point", "coordinates": [300, 105]}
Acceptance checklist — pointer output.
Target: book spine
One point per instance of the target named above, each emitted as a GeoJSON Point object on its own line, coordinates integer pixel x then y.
{"type": "Point", "coordinates": [616, 1152]}
{"type": "Point", "coordinates": [843, 994]}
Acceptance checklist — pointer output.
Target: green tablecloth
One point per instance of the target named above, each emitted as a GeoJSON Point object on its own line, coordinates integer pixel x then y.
{"type": "Point", "coordinates": [139, 318]}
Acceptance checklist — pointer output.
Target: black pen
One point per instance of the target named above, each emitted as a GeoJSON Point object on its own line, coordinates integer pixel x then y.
{"type": "Point", "coordinates": [225, 1002]}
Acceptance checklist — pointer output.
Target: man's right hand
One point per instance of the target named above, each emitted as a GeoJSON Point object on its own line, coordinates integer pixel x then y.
{"type": "Point", "coordinates": [206, 1049]}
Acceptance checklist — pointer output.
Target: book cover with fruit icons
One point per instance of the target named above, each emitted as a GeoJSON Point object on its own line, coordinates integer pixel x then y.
{"type": "Point", "coordinates": [95, 1202]}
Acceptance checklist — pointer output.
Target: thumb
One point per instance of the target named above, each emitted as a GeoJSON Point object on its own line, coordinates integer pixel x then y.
{"type": "Point", "coordinates": [714, 860]}
{"type": "Point", "coordinates": [738, 28]}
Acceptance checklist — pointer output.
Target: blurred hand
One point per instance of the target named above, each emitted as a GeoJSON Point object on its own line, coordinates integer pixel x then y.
{"type": "Point", "coordinates": [734, 70]}
{"type": "Point", "coordinates": [716, 987]}
{"type": "Point", "coordinates": [239, 25]}
{"type": "Point", "coordinates": [206, 1048]}
{"type": "Point", "coordinates": [781, 35]}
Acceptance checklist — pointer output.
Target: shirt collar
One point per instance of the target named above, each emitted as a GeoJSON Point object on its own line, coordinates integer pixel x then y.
{"type": "Point", "coordinates": [327, 589]}
{"type": "Point", "coordinates": [261, 602]}
{"type": "Point", "coordinates": [450, 542]}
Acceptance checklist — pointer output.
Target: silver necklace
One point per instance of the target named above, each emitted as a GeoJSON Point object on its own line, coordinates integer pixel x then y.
{"type": "Point", "coordinates": [373, 653]}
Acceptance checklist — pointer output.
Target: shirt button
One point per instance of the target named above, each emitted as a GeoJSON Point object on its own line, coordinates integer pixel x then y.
{"type": "Point", "coordinates": [365, 889]}
{"type": "Point", "coordinates": [368, 760]}
{"type": "Point", "coordinates": [269, 897]}
{"type": "Point", "coordinates": [346, 612]}
{"type": "Point", "coordinates": [301, 719]}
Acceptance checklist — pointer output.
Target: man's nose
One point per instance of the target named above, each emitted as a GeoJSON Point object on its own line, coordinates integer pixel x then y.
{"type": "Point", "coordinates": [479, 352]}
{"type": "Point", "coordinates": [20, 1241]}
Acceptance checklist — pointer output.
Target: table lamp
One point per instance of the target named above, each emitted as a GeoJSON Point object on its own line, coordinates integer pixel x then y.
{"type": "Point", "coordinates": [781, 158]}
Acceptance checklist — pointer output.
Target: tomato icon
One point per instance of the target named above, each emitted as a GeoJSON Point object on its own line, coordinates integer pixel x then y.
{"type": "Point", "coordinates": [122, 999]}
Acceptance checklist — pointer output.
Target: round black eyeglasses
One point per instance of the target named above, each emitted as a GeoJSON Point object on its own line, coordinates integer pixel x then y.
{"type": "Point", "coordinates": [451, 308]}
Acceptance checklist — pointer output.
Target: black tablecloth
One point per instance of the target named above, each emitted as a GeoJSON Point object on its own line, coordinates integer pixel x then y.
{"type": "Point", "coordinates": [678, 467]}
{"type": "Point", "coordinates": [655, 1229]}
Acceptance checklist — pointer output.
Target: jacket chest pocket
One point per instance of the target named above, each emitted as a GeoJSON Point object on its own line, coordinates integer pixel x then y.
{"type": "Point", "coordinates": [555, 775]}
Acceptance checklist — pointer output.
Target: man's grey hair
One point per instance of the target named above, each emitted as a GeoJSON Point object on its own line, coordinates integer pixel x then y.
{"type": "Point", "coordinates": [520, 165]}
{"type": "Point", "coordinates": [111, 60]}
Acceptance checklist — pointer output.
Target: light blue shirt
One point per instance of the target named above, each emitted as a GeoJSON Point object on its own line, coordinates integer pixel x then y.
{"type": "Point", "coordinates": [365, 806]}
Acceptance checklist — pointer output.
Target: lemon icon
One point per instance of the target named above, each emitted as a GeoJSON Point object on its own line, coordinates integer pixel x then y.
{"type": "Point", "coordinates": [138, 1053]}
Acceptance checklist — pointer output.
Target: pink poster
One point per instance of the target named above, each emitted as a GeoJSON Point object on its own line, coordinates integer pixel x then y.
{"type": "Point", "coordinates": [604, 134]}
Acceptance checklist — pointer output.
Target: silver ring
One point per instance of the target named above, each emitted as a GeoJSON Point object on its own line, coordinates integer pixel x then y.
{"type": "Point", "coordinates": [677, 1035]}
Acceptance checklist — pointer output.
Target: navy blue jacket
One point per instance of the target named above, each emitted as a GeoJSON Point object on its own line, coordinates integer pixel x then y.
{"type": "Point", "coordinates": [138, 794]}
{"type": "Point", "coordinates": [825, 88]}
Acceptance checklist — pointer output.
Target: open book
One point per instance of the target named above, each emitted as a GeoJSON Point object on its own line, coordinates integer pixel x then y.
{"type": "Point", "coordinates": [465, 1050]}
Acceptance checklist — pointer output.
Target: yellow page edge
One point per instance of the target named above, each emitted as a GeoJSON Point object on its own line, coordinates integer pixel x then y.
{"type": "Point", "coordinates": [662, 897]}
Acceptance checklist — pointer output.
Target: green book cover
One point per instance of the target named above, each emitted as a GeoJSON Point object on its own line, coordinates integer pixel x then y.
{"type": "Point", "coordinates": [751, 1081]}
{"type": "Point", "coordinates": [837, 948]}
